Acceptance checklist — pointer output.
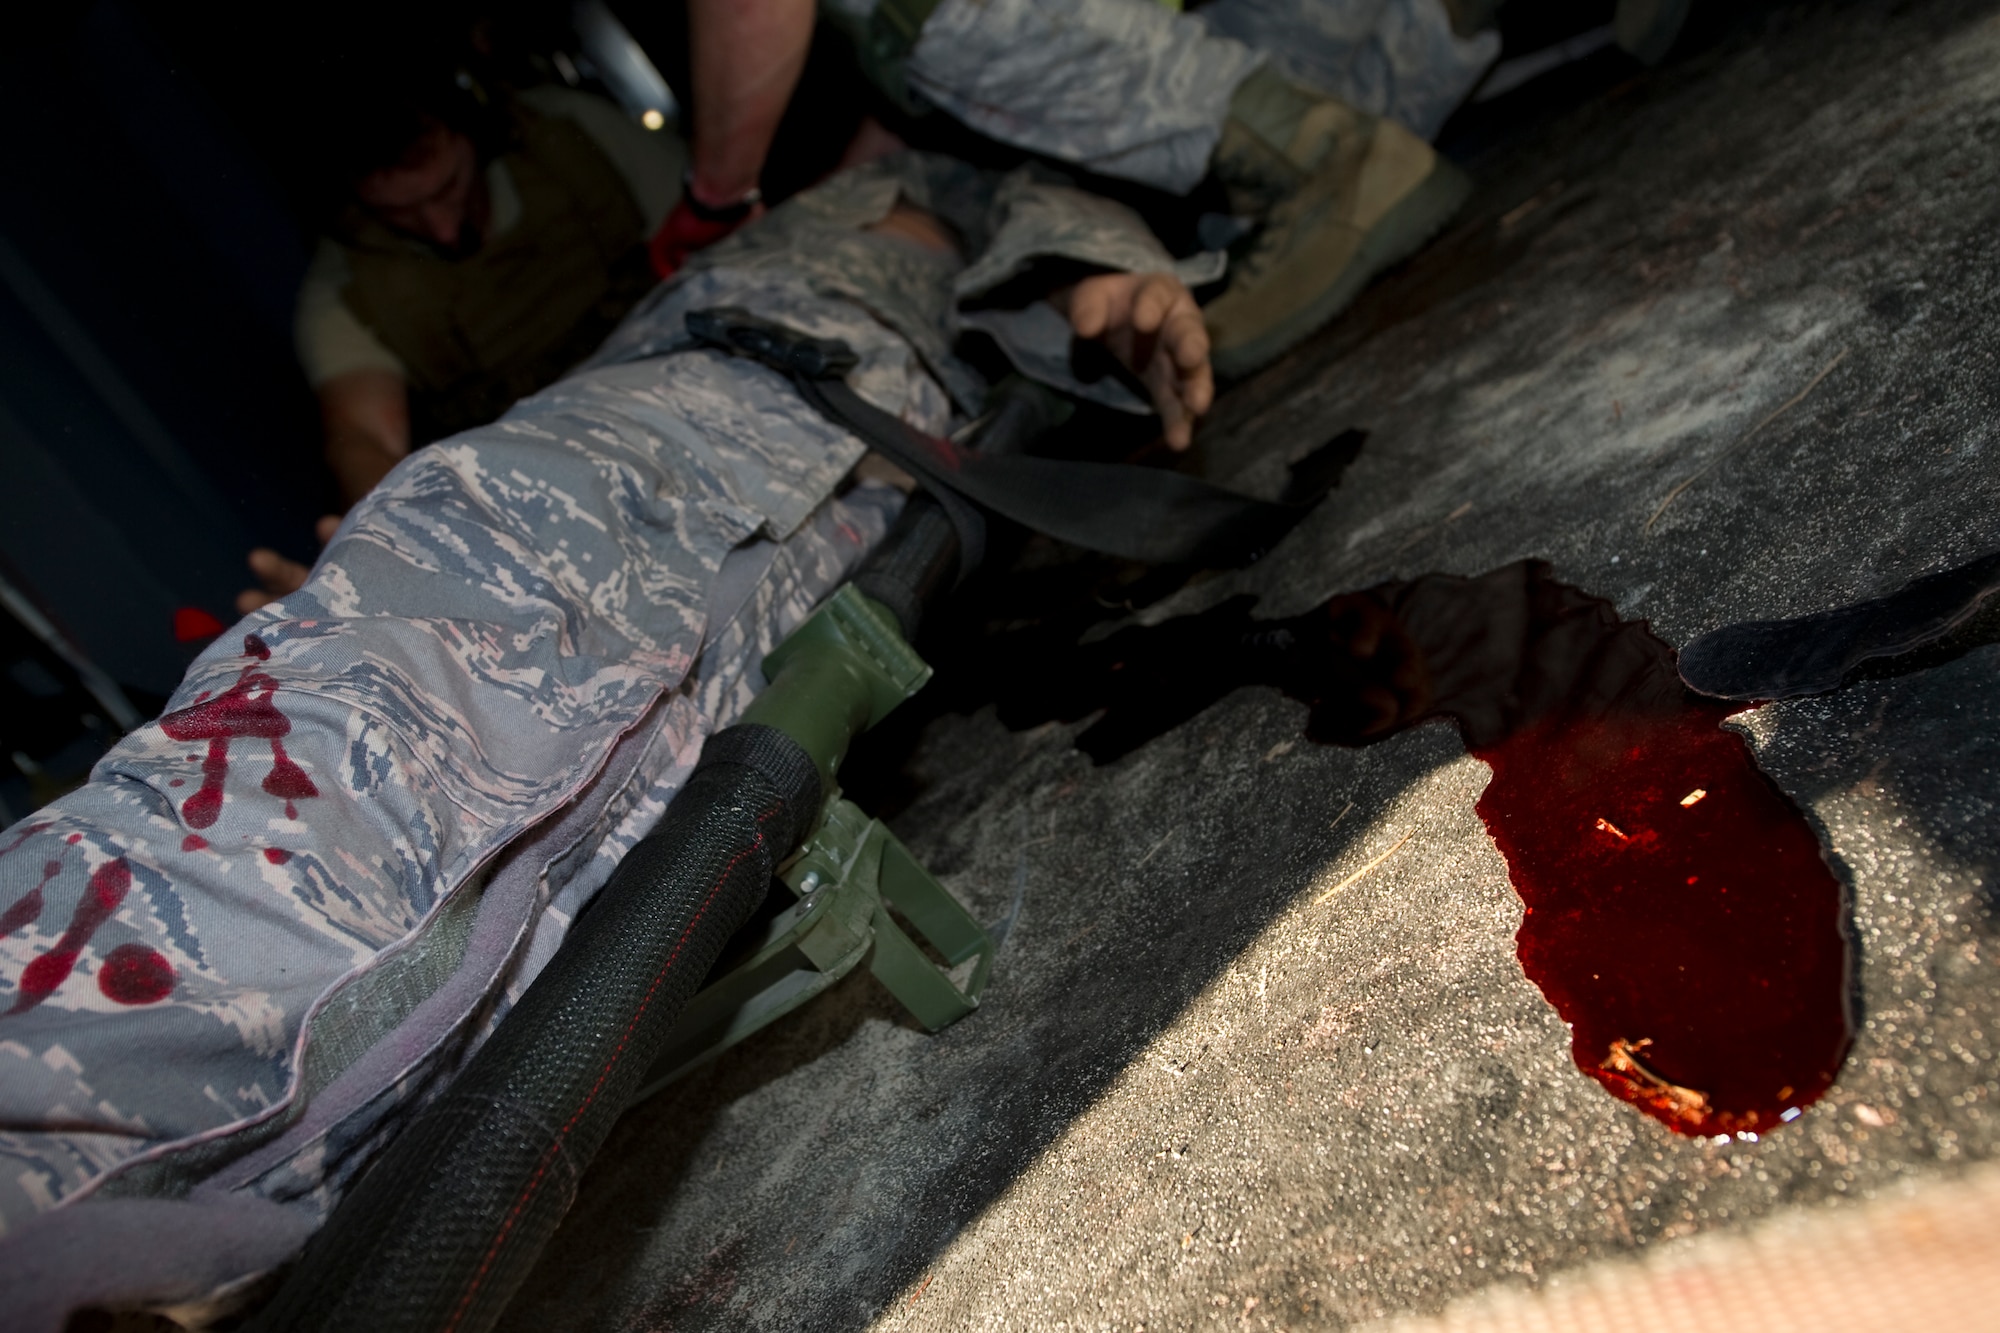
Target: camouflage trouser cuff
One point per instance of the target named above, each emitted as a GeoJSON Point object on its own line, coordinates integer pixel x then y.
{"type": "Point", "coordinates": [884, 39]}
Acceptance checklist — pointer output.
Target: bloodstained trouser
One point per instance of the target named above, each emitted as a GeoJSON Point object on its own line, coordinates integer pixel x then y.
{"type": "Point", "coordinates": [1128, 88]}
{"type": "Point", "coordinates": [286, 911]}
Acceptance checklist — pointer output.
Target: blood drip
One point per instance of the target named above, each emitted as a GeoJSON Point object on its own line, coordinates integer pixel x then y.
{"type": "Point", "coordinates": [287, 780]}
{"type": "Point", "coordinates": [277, 856]}
{"type": "Point", "coordinates": [1679, 913]}
{"type": "Point", "coordinates": [26, 834]}
{"type": "Point", "coordinates": [27, 909]}
{"type": "Point", "coordinates": [135, 974]}
{"type": "Point", "coordinates": [245, 709]}
{"type": "Point", "coordinates": [106, 890]}
{"type": "Point", "coordinates": [194, 842]}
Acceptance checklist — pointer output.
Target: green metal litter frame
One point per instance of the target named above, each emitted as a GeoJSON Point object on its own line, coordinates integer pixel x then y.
{"type": "Point", "coordinates": [853, 879]}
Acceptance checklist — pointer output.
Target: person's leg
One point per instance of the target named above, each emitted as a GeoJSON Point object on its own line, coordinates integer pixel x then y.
{"type": "Point", "coordinates": [282, 913]}
{"type": "Point", "coordinates": [1128, 88]}
{"type": "Point", "coordinates": [1125, 88]}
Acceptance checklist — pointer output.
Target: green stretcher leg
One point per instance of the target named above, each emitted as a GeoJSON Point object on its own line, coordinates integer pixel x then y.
{"type": "Point", "coordinates": [857, 887]}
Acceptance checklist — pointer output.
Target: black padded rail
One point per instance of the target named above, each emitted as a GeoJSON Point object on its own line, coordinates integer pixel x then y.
{"type": "Point", "coordinates": [923, 557]}
{"type": "Point", "coordinates": [442, 1229]}
{"type": "Point", "coordinates": [913, 568]}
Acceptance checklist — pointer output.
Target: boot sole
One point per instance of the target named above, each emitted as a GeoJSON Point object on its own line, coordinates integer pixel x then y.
{"type": "Point", "coordinates": [1403, 231]}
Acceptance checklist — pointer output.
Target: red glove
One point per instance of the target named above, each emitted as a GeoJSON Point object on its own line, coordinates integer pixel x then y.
{"type": "Point", "coordinates": [687, 230]}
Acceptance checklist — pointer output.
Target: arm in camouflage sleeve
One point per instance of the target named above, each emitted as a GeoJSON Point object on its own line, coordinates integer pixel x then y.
{"type": "Point", "coordinates": [1061, 265]}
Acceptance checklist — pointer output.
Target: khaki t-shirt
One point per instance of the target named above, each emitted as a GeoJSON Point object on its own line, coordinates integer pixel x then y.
{"type": "Point", "coordinates": [332, 341]}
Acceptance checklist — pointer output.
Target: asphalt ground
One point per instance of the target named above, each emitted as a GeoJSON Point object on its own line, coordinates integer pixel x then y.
{"type": "Point", "coordinates": [1221, 1075]}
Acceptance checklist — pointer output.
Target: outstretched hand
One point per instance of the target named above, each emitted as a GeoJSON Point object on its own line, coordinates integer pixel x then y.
{"type": "Point", "coordinates": [278, 576]}
{"type": "Point", "coordinates": [1149, 321]}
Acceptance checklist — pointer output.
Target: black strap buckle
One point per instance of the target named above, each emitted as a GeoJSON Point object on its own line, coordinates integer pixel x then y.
{"type": "Point", "coordinates": [1137, 513]}
{"type": "Point", "coordinates": [734, 329]}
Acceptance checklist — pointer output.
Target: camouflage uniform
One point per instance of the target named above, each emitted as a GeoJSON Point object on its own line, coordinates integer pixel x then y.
{"type": "Point", "coordinates": [1128, 88]}
{"type": "Point", "coordinates": [1394, 58]}
{"type": "Point", "coordinates": [284, 913]}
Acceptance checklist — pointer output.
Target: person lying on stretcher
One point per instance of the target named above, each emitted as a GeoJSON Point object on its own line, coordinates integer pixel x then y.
{"type": "Point", "coordinates": [279, 919]}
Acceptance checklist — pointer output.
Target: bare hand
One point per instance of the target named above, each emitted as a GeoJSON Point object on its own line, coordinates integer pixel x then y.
{"type": "Point", "coordinates": [279, 576]}
{"type": "Point", "coordinates": [1150, 322]}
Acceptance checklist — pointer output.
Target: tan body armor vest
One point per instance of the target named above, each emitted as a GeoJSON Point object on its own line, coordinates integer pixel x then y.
{"type": "Point", "coordinates": [479, 332]}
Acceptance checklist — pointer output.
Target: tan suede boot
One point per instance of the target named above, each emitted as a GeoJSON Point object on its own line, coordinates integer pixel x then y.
{"type": "Point", "coordinates": [1343, 195]}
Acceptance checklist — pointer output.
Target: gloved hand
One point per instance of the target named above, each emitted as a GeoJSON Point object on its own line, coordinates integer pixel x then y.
{"type": "Point", "coordinates": [686, 231]}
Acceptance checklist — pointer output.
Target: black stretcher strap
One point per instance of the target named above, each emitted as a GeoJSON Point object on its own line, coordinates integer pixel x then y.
{"type": "Point", "coordinates": [1136, 513]}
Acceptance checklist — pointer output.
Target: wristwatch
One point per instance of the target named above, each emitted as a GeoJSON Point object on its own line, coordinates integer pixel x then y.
{"type": "Point", "coordinates": [735, 212]}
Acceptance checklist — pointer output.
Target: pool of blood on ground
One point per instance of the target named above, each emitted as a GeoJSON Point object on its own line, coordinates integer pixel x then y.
{"type": "Point", "coordinates": [1679, 914]}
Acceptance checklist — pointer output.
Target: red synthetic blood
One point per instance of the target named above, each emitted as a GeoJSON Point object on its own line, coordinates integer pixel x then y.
{"type": "Point", "coordinates": [277, 856]}
{"type": "Point", "coordinates": [1679, 914]}
{"type": "Point", "coordinates": [286, 780]}
{"type": "Point", "coordinates": [1696, 945]}
{"type": "Point", "coordinates": [26, 834]}
{"type": "Point", "coordinates": [1697, 951]}
{"type": "Point", "coordinates": [205, 806]}
{"type": "Point", "coordinates": [101, 897]}
{"type": "Point", "coordinates": [27, 909]}
{"type": "Point", "coordinates": [24, 910]}
{"type": "Point", "coordinates": [135, 974]}
{"type": "Point", "coordinates": [194, 842]}
{"type": "Point", "coordinates": [244, 710]}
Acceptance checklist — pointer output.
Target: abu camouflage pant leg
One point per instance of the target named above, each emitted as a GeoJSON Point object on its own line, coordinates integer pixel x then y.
{"type": "Point", "coordinates": [292, 905]}
{"type": "Point", "coordinates": [1125, 88]}
{"type": "Point", "coordinates": [1128, 88]}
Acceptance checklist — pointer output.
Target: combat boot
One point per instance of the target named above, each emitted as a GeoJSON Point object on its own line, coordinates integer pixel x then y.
{"type": "Point", "coordinates": [1343, 195]}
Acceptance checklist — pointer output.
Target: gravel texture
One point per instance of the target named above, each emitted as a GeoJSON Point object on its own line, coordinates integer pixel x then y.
{"type": "Point", "coordinates": [1214, 1082]}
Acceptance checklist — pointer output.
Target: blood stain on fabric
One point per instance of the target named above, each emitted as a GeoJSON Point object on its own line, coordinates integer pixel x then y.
{"type": "Point", "coordinates": [194, 842]}
{"type": "Point", "coordinates": [27, 909]}
{"type": "Point", "coordinates": [26, 834]}
{"type": "Point", "coordinates": [277, 856]}
{"type": "Point", "coordinates": [135, 974]}
{"type": "Point", "coordinates": [244, 710]}
{"type": "Point", "coordinates": [101, 897]}
{"type": "Point", "coordinates": [1698, 947]}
